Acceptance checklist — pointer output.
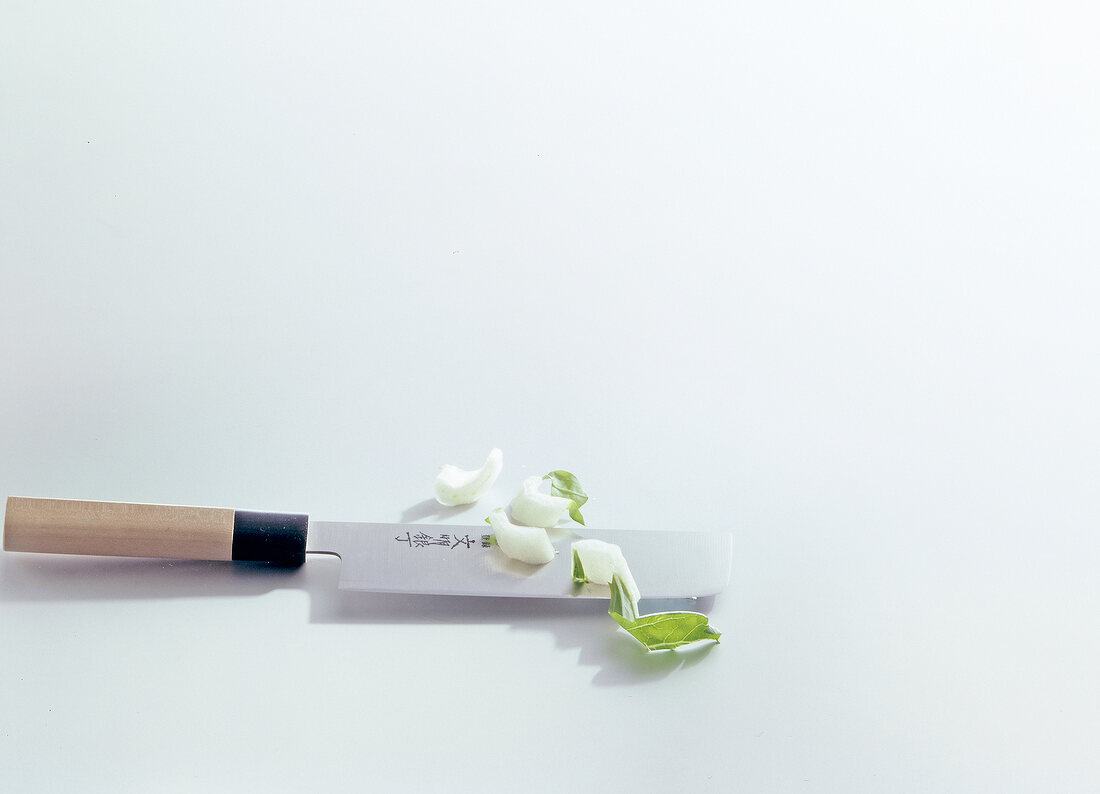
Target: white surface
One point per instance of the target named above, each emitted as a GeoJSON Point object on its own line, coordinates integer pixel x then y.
{"type": "Point", "coordinates": [824, 275]}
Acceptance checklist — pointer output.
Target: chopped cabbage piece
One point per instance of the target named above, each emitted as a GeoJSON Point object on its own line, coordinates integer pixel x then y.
{"type": "Point", "coordinates": [527, 544]}
{"type": "Point", "coordinates": [537, 509]}
{"type": "Point", "coordinates": [603, 563]}
{"type": "Point", "coordinates": [597, 562]}
{"type": "Point", "coordinates": [453, 486]}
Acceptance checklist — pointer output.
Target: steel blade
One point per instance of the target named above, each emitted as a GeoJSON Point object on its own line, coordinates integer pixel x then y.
{"type": "Point", "coordinates": [458, 560]}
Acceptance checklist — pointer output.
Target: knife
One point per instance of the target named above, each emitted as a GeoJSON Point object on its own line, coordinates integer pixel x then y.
{"type": "Point", "coordinates": [394, 558]}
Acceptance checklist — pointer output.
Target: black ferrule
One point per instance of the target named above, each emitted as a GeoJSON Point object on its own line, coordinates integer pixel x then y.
{"type": "Point", "coordinates": [279, 538]}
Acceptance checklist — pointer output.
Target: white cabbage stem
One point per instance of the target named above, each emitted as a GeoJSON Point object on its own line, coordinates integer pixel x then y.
{"type": "Point", "coordinates": [535, 508]}
{"type": "Point", "coordinates": [453, 486]}
{"type": "Point", "coordinates": [600, 561]}
{"type": "Point", "coordinates": [527, 544]}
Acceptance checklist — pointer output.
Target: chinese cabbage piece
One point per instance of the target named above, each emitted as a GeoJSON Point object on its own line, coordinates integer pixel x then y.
{"type": "Point", "coordinates": [603, 563]}
{"type": "Point", "coordinates": [527, 544]}
{"type": "Point", "coordinates": [536, 508]}
{"type": "Point", "coordinates": [454, 486]}
{"type": "Point", "coordinates": [598, 562]}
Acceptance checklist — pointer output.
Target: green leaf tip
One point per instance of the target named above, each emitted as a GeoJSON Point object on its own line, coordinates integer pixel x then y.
{"type": "Point", "coordinates": [566, 485]}
{"type": "Point", "coordinates": [578, 570]}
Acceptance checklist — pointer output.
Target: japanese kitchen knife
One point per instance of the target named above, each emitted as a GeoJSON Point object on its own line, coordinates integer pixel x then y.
{"type": "Point", "coordinates": [396, 558]}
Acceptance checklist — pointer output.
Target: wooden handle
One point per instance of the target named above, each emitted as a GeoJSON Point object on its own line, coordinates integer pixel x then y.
{"type": "Point", "coordinates": [122, 529]}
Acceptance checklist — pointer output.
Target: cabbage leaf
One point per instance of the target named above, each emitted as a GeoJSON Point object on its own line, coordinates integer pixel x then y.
{"type": "Point", "coordinates": [659, 631]}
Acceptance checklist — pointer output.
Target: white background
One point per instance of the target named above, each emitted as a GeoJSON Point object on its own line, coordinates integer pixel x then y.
{"type": "Point", "coordinates": [821, 275]}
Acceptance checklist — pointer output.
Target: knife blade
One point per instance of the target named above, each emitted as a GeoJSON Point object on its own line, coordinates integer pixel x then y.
{"type": "Point", "coordinates": [398, 558]}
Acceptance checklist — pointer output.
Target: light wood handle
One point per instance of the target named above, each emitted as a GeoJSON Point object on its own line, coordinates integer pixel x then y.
{"type": "Point", "coordinates": [123, 529]}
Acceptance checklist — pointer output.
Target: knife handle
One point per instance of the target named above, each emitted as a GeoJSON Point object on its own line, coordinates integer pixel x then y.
{"type": "Point", "coordinates": [122, 529]}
